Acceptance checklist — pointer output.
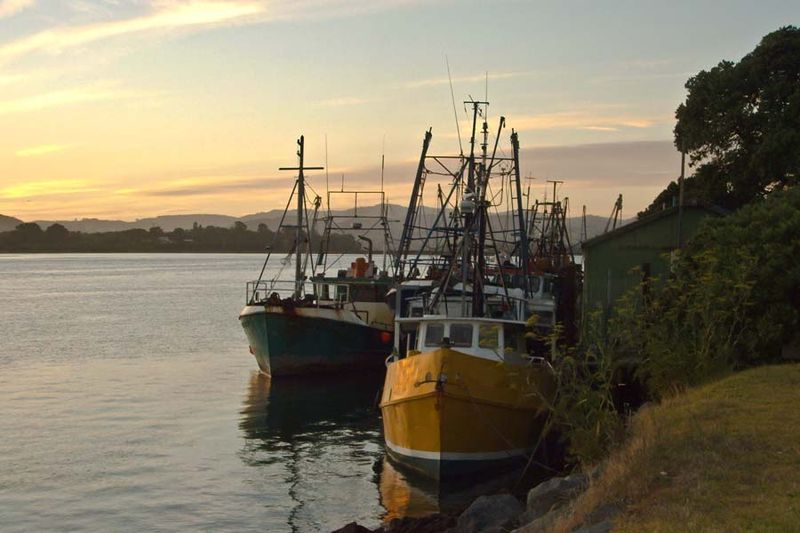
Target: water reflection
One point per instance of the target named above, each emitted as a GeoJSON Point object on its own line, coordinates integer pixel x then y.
{"type": "Point", "coordinates": [322, 436]}
{"type": "Point", "coordinates": [291, 408]}
{"type": "Point", "coordinates": [405, 493]}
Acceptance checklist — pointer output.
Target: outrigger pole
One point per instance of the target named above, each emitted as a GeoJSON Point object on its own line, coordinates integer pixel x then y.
{"type": "Point", "coordinates": [416, 194]}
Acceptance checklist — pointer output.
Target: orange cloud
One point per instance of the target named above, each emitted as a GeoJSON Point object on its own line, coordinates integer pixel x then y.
{"type": "Point", "coordinates": [59, 98]}
{"type": "Point", "coordinates": [45, 188]}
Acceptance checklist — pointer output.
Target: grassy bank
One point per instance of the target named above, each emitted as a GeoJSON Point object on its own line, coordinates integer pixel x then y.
{"type": "Point", "coordinates": [724, 456]}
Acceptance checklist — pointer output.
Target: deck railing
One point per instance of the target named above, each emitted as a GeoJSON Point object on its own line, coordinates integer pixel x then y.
{"type": "Point", "coordinates": [326, 293]}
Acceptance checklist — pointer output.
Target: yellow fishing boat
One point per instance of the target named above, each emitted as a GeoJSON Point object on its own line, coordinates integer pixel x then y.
{"type": "Point", "coordinates": [465, 389]}
{"type": "Point", "coordinates": [466, 397]}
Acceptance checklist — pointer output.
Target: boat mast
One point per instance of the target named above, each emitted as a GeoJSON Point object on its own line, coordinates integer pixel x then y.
{"type": "Point", "coordinates": [301, 196]}
{"type": "Point", "coordinates": [299, 274]}
{"type": "Point", "coordinates": [472, 193]}
{"type": "Point", "coordinates": [523, 235]}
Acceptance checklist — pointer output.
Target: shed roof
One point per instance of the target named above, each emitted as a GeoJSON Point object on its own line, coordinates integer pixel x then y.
{"type": "Point", "coordinates": [649, 219]}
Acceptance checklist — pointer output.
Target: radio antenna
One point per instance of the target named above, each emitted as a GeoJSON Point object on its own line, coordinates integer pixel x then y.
{"type": "Point", "coordinates": [327, 184]}
{"type": "Point", "coordinates": [383, 159]}
{"type": "Point", "coordinates": [453, 97]}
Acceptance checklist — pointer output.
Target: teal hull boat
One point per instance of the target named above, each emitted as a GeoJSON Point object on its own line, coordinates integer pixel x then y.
{"type": "Point", "coordinates": [287, 340]}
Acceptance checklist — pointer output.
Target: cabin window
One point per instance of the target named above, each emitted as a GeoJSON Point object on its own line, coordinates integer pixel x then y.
{"type": "Point", "coordinates": [434, 334]}
{"type": "Point", "coordinates": [512, 338]}
{"type": "Point", "coordinates": [488, 336]}
{"type": "Point", "coordinates": [324, 293]}
{"type": "Point", "coordinates": [545, 318]}
{"type": "Point", "coordinates": [461, 335]}
{"type": "Point", "coordinates": [341, 293]}
{"type": "Point", "coordinates": [536, 283]}
{"type": "Point", "coordinates": [548, 286]}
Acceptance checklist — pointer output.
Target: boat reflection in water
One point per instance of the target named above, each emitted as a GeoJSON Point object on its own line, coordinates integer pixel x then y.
{"type": "Point", "coordinates": [291, 408]}
{"type": "Point", "coordinates": [318, 448]}
{"type": "Point", "coordinates": [405, 492]}
{"type": "Point", "coordinates": [313, 443]}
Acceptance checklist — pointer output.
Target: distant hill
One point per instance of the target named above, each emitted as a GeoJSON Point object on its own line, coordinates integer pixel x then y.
{"type": "Point", "coordinates": [8, 223]}
{"type": "Point", "coordinates": [165, 222]}
{"type": "Point", "coordinates": [88, 225]}
{"type": "Point", "coordinates": [595, 225]}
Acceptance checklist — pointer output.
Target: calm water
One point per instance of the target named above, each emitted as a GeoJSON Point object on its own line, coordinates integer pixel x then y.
{"type": "Point", "coordinates": [129, 401]}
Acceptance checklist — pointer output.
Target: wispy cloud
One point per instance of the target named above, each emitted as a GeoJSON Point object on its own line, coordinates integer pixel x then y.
{"type": "Point", "coordinates": [46, 188]}
{"type": "Point", "coordinates": [43, 149]}
{"type": "Point", "coordinates": [344, 101]}
{"type": "Point", "coordinates": [585, 120]}
{"type": "Point", "coordinates": [12, 7]}
{"type": "Point", "coordinates": [463, 79]}
{"type": "Point", "coordinates": [172, 15]}
{"type": "Point", "coordinates": [59, 98]}
{"type": "Point", "coordinates": [599, 128]}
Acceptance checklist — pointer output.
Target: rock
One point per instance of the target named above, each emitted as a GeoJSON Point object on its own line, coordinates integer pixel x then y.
{"type": "Point", "coordinates": [554, 493]}
{"type": "Point", "coordinates": [489, 513]}
{"type": "Point", "coordinates": [353, 527]}
{"type": "Point", "coordinates": [600, 527]}
{"type": "Point", "coordinates": [435, 523]}
{"type": "Point", "coordinates": [598, 471]}
{"type": "Point", "coordinates": [604, 512]}
{"type": "Point", "coordinates": [543, 523]}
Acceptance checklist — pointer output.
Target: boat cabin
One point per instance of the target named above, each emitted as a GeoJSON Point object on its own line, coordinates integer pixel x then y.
{"type": "Point", "coordinates": [487, 338]}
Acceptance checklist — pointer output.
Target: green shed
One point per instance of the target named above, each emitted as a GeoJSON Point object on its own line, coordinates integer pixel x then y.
{"type": "Point", "coordinates": [609, 259]}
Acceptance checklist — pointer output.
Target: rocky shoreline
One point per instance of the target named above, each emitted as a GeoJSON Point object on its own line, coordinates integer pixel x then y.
{"type": "Point", "coordinates": [546, 503]}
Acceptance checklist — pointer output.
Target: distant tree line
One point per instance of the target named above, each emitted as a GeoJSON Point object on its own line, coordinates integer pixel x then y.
{"type": "Point", "coordinates": [30, 237]}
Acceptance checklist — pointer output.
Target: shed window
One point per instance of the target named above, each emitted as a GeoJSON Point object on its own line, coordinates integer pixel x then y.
{"type": "Point", "coordinates": [434, 334]}
{"type": "Point", "coordinates": [488, 336]}
{"type": "Point", "coordinates": [461, 335]}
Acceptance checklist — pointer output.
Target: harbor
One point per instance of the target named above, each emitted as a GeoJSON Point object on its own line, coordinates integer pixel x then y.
{"type": "Point", "coordinates": [174, 428]}
{"type": "Point", "coordinates": [399, 267]}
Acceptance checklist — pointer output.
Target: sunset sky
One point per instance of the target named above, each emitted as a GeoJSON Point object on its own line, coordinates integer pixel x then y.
{"type": "Point", "coordinates": [126, 109]}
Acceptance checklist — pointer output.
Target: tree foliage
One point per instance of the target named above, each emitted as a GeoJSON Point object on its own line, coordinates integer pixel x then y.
{"type": "Point", "coordinates": [583, 411]}
{"type": "Point", "coordinates": [740, 125]}
{"type": "Point", "coordinates": [733, 299]}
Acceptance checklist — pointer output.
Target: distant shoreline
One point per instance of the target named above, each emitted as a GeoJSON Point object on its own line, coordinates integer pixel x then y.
{"type": "Point", "coordinates": [31, 238]}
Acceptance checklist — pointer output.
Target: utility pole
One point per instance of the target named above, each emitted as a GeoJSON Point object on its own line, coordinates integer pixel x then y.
{"type": "Point", "coordinates": [583, 226]}
{"type": "Point", "coordinates": [680, 198]}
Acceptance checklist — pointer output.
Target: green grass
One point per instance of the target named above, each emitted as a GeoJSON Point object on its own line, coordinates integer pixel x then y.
{"type": "Point", "coordinates": [722, 457]}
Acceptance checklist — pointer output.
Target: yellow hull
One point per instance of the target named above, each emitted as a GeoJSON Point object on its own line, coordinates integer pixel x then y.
{"type": "Point", "coordinates": [446, 412]}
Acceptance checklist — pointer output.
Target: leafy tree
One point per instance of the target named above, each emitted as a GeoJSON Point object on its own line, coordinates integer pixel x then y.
{"type": "Point", "coordinates": [56, 232]}
{"type": "Point", "coordinates": [740, 125]}
{"type": "Point", "coordinates": [29, 229]}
